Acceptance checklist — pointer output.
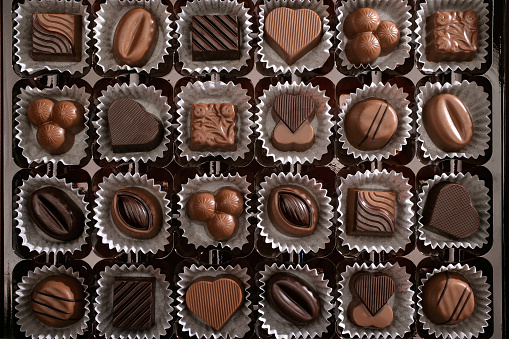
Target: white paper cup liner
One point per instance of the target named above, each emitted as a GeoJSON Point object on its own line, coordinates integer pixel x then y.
{"type": "Point", "coordinates": [161, 296]}
{"type": "Point", "coordinates": [311, 243]}
{"type": "Point", "coordinates": [195, 231]}
{"type": "Point", "coordinates": [26, 133]}
{"type": "Point", "coordinates": [33, 327]}
{"type": "Point", "coordinates": [109, 233]}
{"type": "Point", "coordinates": [106, 23]}
{"type": "Point", "coordinates": [31, 235]}
{"type": "Point", "coordinates": [476, 100]}
{"type": "Point", "coordinates": [321, 123]}
{"type": "Point", "coordinates": [236, 327]}
{"type": "Point", "coordinates": [480, 200]}
{"type": "Point", "coordinates": [395, 97]}
{"type": "Point", "coordinates": [397, 11]}
{"type": "Point", "coordinates": [214, 92]}
{"type": "Point", "coordinates": [152, 101]}
{"type": "Point", "coordinates": [23, 35]}
{"type": "Point", "coordinates": [477, 321]}
{"type": "Point", "coordinates": [212, 7]}
{"type": "Point", "coordinates": [315, 58]}
{"type": "Point", "coordinates": [428, 8]}
{"type": "Point", "coordinates": [278, 326]}
{"type": "Point", "coordinates": [401, 303]}
{"type": "Point", "coordinates": [378, 180]}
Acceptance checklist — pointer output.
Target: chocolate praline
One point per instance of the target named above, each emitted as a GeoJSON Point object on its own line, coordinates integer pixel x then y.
{"type": "Point", "coordinates": [54, 138]}
{"type": "Point", "coordinates": [229, 201]}
{"type": "Point", "coordinates": [388, 35]}
{"type": "Point", "coordinates": [133, 302]}
{"type": "Point", "coordinates": [69, 115]}
{"type": "Point", "coordinates": [222, 226]}
{"type": "Point", "coordinates": [201, 206]}
{"type": "Point", "coordinates": [363, 49]}
{"type": "Point", "coordinates": [39, 111]}
{"type": "Point", "coordinates": [361, 20]}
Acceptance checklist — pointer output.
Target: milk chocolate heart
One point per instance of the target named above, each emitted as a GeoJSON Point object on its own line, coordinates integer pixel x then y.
{"type": "Point", "coordinates": [361, 316]}
{"type": "Point", "coordinates": [293, 110]}
{"type": "Point", "coordinates": [132, 129]}
{"type": "Point", "coordinates": [292, 33]}
{"type": "Point", "coordinates": [449, 211]}
{"type": "Point", "coordinates": [285, 140]}
{"type": "Point", "coordinates": [215, 300]}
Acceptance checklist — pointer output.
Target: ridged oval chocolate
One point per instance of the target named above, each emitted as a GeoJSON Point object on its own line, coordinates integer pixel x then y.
{"type": "Point", "coordinates": [135, 38]}
{"type": "Point", "coordinates": [293, 298]}
{"type": "Point", "coordinates": [294, 209]}
{"type": "Point", "coordinates": [56, 214]}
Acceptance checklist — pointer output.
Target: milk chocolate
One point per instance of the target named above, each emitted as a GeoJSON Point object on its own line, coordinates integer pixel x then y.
{"type": "Point", "coordinates": [292, 33]}
{"type": "Point", "coordinates": [135, 38]}
{"type": "Point", "coordinates": [388, 36]}
{"type": "Point", "coordinates": [201, 206]}
{"type": "Point", "coordinates": [213, 127]}
{"type": "Point", "coordinates": [229, 201]}
{"type": "Point", "coordinates": [447, 298]}
{"type": "Point", "coordinates": [370, 124]}
{"type": "Point", "coordinates": [56, 37]}
{"type": "Point", "coordinates": [361, 20]}
{"type": "Point", "coordinates": [447, 122]}
{"type": "Point", "coordinates": [363, 49]}
{"type": "Point", "coordinates": [54, 138]}
{"type": "Point", "coordinates": [215, 37]}
{"type": "Point", "coordinates": [133, 303]}
{"type": "Point", "coordinates": [40, 110]}
{"type": "Point", "coordinates": [69, 115]}
{"type": "Point", "coordinates": [59, 300]}
{"type": "Point", "coordinates": [222, 226]}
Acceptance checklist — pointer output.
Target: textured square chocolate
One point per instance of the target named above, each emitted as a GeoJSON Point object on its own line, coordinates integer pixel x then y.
{"type": "Point", "coordinates": [451, 36]}
{"type": "Point", "coordinates": [56, 37]}
{"type": "Point", "coordinates": [213, 127]}
{"type": "Point", "coordinates": [215, 37]}
{"type": "Point", "coordinates": [370, 213]}
{"type": "Point", "coordinates": [133, 303]}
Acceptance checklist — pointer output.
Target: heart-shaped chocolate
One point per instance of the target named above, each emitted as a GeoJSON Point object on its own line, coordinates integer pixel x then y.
{"type": "Point", "coordinates": [132, 129]}
{"type": "Point", "coordinates": [292, 33]}
{"type": "Point", "coordinates": [293, 110]}
{"type": "Point", "coordinates": [215, 301]}
{"type": "Point", "coordinates": [373, 290]}
{"type": "Point", "coordinates": [448, 210]}
{"type": "Point", "coordinates": [285, 140]}
{"type": "Point", "coordinates": [361, 316]}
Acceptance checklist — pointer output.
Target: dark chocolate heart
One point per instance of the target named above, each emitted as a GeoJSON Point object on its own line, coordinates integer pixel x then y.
{"type": "Point", "coordinates": [374, 291]}
{"type": "Point", "coordinates": [293, 110]}
{"type": "Point", "coordinates": [132, 129]}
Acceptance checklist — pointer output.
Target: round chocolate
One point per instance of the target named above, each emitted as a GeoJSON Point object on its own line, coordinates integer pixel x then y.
{"type": "Point", "coordinates": [361, 20]}
{"type": "Point", "coordinates": [448, 122]}
{"type": "Point", "coordinates": [222, 226]}
{"type": "Point", "coordinates": [447, 298]}
{"type": "Point", "coordinates": [388, 35]}
{"type": "Point", "coordinates": [58, 300]}
{"type": "Point", "coordinates": [363, 49]}
{"type": "Point", "coordinates": [137, 213]}
{"type": "Point", "coordinates": [229, 201]}
{"type": "Point", "coordinates": [69, 115]}
{"type": "Point", "coordinates": [56, 214]}
{"type": "Point", "coordinates": [39, 111]}
{"type": "Point", "coordinates": [293, 210]}
{"type": "Point", "coordinates": [201, 206]}
{"type": "Point", "coordinates": [370, 124]}
{"type": "Point", "coordinates": [54, 138]}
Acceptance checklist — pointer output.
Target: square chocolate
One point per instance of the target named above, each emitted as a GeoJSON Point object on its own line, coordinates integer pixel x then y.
{"type": "Point", "coordinates": [56, 37]}
{"type": "Point", "coordinates": [451, 36]}
{"type": "Point", "coordinates": [370, 213]}
{"type": "Point", "coordinates": [213, 127]}
{"type": "Point", "coordinates": [215, 37]}
{"type": "Point", "coordinates": [133, 302]}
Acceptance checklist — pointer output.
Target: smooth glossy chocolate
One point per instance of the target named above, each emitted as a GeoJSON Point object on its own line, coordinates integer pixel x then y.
{"type": "Point", "coordinates": [292, 33]}
{"type": "Point", "coordinates": [293, 298]}
{"type": "Point", "coordinates": [449, 211]}
{"type": "Point", "coordinates": [293, 210]}
{"type": "Point", "coordinates": [135, 38]}
{"type": "Point", "coordinates": [447, 298]}
{"type": "Point", "coordinates": [363, 49]}
{"type": "Point", "coordinates": [213, 127]}
{"type": "Point", "coordinates": [59, 300]}
{"type": "Point", "coordinates": [137, 213]}
{"type": "Point", "coordinates": [361, 20]}
{"type": "Point", "coordinates": [447, 122]}
{"type": "Point", "coordinates": [40, 110]}
{"type": "Point", "coordinates": [285, 140]}
{"type": "Point", "coordinates": [388, 36]}
{"type": "Point", "coordinates": [54, 138]}
{"type": "Point", "coordinates": [451, 36]}
{"type": "Point", "coordinates": [56, 37]}
{"type": "Point", "coordinates": [222, 226]}
{"type": "Point", "coordinates": [370, 294]}
{"type": "Point", "coordinates": [132, 129]}
{"type": "Point", "coordinates": [370, 124]}
{"type": "Point", "coordinates": [201, 206]}
{"type": "Point", "coordinates": [133, 303]}
{"type": "Point", "coordinates": [370, 213]}
{"type": "Point", "coordinates": [215, 37]}
{"type": "Point", "coordinates": [215, 299]}
{"type": "Point", "coordinates": [229, 201]}
{"type": "Point", "coordinates": [69, 115]}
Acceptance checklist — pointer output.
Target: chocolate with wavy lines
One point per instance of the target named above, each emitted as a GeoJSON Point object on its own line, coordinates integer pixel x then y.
{"type": "Point", "coordinates": [370, 213]}
{"type": "Point", "coordinates": [56, 37]}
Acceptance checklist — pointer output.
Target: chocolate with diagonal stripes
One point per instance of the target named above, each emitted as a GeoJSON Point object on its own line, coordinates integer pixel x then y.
{"type": "Point", "coordinates": [133, 302]}
{"type": "Point", "coordinates": [215, 37]}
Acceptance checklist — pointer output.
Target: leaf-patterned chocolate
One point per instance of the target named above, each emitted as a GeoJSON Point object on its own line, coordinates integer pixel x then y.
{"type": "Point", "coordinates": [213, 127]}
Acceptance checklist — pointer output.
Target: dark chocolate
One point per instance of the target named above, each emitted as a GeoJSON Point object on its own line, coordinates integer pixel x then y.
{"type": "Point", "coordinates": [294, 110]}
{"type": "Point", "coordinates": [215, 37]}
{"type": "Point", "coordinates": [293, 298]}
{"type": "Point", "coordinates": [361, 20]}
{"type": "Point", "coordinates": [213, 127]}
{"type": "Point", "coordinates": [133, 303]}
{"type": "Point", "coordinates": [59, 300]}
{"type": "Point", "coordinates": [132, 129]}
{"type": "Point", "coordinates": [449, 211]}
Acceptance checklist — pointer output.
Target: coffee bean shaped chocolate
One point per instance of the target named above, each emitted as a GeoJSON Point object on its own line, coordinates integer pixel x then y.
{"type": "Point", "coordinates": [293, 298]}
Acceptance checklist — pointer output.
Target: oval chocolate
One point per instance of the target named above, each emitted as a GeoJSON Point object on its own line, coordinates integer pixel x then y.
{"type": "Point", "coordinates": [56, 214]}
{"type": "Point", "coordinates": [447, 122]}
{"type": "Point", "coordinates": [293, 298]}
